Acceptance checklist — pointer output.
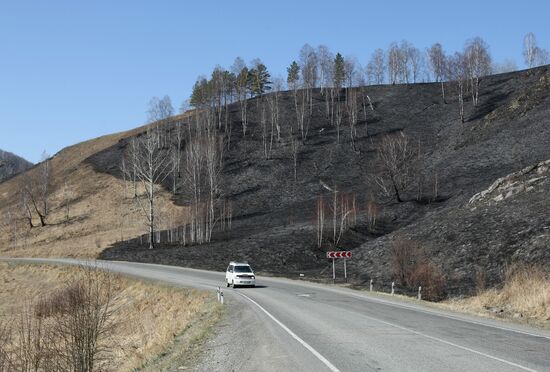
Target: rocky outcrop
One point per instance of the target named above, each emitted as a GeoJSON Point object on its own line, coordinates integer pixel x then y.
{"type": "Point", "coordinates": [524, 180]}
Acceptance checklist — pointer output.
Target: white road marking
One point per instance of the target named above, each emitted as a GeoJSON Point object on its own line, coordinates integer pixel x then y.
{"type": "Point", "coordinates": [418, 309]}
{"type": "Point", "coordinates": [450, 343]}
{"type": "Point", "coordinates": [435, 313]}
{"type": "Point", "coordinates": [294, 336]}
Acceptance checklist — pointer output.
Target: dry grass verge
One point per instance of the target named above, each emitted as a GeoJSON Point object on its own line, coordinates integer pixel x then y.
{"type": "Point", "coordinates": [146, 318]}
{"type": "Point", "coordinates": [525, 296]}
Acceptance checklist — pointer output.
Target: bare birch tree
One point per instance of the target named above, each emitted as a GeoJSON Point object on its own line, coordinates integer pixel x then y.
{"type": "Point", "coordinates": [300, 97]}
{"type": "Point", "coordinates": [151, 163]}
{"type": "Point", "coordinates": [405, 66]}
{"type": "Point", "coordinates": [203, 165]}
{"type": "Point", "coordinates": [242, 88]}
{"type": "Point", "coordinates": [351, 71]}
{"type": "Point", "coordinates": [343, 211]}
{"type": "Point", "coordinates": [326, 67]}
{"type": "Point", "coordinates": [458, 73]}
{"type": "Point", "coordinates": [179, 133]}
{"type": "Point", "coordinates": [376, 68]}
{"type": "Point", "coordinates": [325, 59]}
{"type": "Point", "coordinates": [372, 214]}
{"type": "Point", "coordinates": [353, 113]}
{"type": "Point", "coordinates": [25, 207]}
{"type": "Point", "coordinates": [320, 219]}
{"type": "Point", "coordinates": [437, 62]}
{"type": "Point", "coordinates": [37, 186]}
{"type": "Point", "coordinates": [398, 158]}
{"type": "Point", "coordinates": [530, 49]}
{"type": "Point", "coordinates": [213, 154]}
{"type": "Point", "coordinates": [294, 152]}
{"type": "Point", "coordinates": [274, 114]}
{"type": "Point", "coordinates": [532, 54]}
{"type": "Point", "coordinates": [394, 63]}
{"type": "Point", "coordinates": [263, 123]}
{"type": "Point", "coordinates": [479, 64]}
{"type": "Point", "coordinates": [416, 62]}
{"type": "Point", "coordinates": [160, 109]}
{"type": "Point", "coordinates": [308, 67]}
{"type": "Point", "coordinates": [337, 109]}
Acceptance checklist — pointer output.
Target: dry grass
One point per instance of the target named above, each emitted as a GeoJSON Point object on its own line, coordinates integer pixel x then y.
{"type": "Point", "coordinates": [149, 317]}
{"type": "Point", "coordinates": [525, 295]}
{"type": "Point", "coordinates": [100, 215]}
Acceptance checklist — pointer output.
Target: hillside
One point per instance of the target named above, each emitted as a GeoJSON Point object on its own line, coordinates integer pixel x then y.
{"type": "Point", "coordinates": [98, 215]}
{"type": "Point", "coordinates": [466, 239]}
{"type": "Point", "coordinates": [11, 164]}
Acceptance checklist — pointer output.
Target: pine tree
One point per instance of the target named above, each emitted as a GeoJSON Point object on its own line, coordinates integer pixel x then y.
{"type": "Point", "coordinates": [200, 93]}
{"type": "Point", "coordinates": [293, 75]}
{"type": "Point", "coordinates": [339, 71]}
{"type": "Point", "coordinates": [259, 79]}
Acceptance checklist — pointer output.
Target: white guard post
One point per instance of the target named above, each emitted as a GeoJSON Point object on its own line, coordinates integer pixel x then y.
{"type": "Point", "coordinates": [345, 271]}
{"type": "Point", "coordinates": [333, 271]}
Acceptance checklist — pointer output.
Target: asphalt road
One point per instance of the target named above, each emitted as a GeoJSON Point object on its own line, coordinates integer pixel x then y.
{"type": "Point", "coordinates": [287, 325]}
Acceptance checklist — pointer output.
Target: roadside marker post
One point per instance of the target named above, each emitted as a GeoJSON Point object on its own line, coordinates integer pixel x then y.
{"type": "Point", "coordinates": [370, 287]}
{"type": "Point", "coordinates": [345, 272]}
{"type": "Point", "coordinates": [219, 293]}
{"type": "Point", "coordinates": [333, 271]}
{"type": "Point", "coordinates": [419, 292]}
{"type": "Point", "coordinates": [221, 297]}
{"type": "Point", "coordinates": [392, 288]}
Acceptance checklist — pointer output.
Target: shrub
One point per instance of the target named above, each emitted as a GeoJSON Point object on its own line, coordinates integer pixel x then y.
{"type": "Point", "coordinates": [412, 269]}
{"type": "Point", "coordinates": [6, 362]}
{"type": "Point", "coordinates": [404, 255]}
{"type": "Point", "coordinates": [430, 278]}
{"type": "Point", "coordinates": [66, 330]}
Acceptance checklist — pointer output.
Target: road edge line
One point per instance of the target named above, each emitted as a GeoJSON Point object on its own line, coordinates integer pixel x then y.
{"type": "Point", "coordinates": [318, 355]}
{"type": "Point", "coordinates": [433, 338]}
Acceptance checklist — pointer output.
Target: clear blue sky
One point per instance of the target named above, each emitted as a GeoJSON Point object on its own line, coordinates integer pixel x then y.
{"type": "Point", "coordinates": [74, 70]}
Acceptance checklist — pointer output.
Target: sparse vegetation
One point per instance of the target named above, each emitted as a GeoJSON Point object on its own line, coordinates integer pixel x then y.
{"type": "Point", "coordinates": [524, 294]}
{"type": "Point", "coordinates": [62, 318]}
{"type": "Point", "coordinates": [412, 268]}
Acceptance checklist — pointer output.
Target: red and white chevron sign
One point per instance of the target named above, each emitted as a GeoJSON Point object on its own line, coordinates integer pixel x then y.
{"type": "Point", "coordinates": [339, 254]}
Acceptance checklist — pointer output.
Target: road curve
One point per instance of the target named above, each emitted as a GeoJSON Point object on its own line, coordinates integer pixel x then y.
{"type": "Point", "coordinates": [287, 325]}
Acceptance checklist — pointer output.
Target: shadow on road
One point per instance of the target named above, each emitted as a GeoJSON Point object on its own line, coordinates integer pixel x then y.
{"type": "Point", "coordinates": [256, 287]}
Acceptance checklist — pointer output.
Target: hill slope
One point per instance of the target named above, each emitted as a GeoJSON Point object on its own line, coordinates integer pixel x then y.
{"type": "Point", "coordinates": [11, 164]}
{"type": "Point", "coordinates": [273, 224]}
{"type": "Point", "coordinates": [98, 215]}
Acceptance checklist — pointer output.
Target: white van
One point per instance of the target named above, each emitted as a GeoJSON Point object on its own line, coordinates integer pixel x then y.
{"type": "Point", "coordinates": [239, 273]}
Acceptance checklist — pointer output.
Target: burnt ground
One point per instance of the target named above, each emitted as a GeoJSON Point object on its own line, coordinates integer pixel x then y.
{"type": "Point", "coordinates": [273, 216]}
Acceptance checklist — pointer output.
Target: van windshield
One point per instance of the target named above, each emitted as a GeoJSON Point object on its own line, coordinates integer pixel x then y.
{"type": "Point", "coordinates": [243, 269]}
